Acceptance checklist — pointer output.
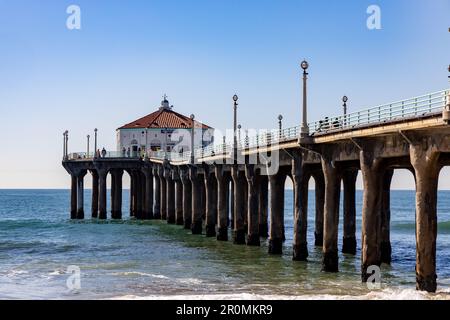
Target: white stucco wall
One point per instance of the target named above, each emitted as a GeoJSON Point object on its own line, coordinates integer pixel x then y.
{"type": "Point", "coordinates": [175, 139]}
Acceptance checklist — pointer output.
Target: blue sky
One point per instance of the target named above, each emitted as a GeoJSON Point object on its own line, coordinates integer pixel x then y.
{"type": "Point", "coordinates": [128, 54]}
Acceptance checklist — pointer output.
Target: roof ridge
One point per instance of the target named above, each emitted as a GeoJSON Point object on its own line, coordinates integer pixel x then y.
{"type": "Point", "coordinates": [162, 117]}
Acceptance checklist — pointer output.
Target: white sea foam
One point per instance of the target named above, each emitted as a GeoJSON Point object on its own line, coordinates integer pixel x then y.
{"type": "Point", "coordinates": [15, 273]}
{"type": "Point", "coordinates": [386, 294]}
{"type": "Point", "coordinates": [137, 273]}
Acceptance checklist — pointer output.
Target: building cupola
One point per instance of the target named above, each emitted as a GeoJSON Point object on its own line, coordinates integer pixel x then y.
{"type": "Point", "coordinates": [165, 104]}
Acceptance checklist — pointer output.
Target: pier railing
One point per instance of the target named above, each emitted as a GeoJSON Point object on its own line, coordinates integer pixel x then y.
{"type": "Point", "coordinates": [401, 110]}
{"type": "Point", "coordinates": [416, 107]}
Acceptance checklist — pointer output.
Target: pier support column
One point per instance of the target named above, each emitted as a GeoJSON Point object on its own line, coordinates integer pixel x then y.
{"type": "Point", "coordinates": [116, 193]}
{"type": "Point", "coordinates": [80, 194]}
{"type": "Point", "coordinates": [157, 204]}
{"type": "Point", "coordinates": [94, 202]}
{"type": "Point", "coordinates": [252, 207]}
{"type": "Point", "coordinates": [222, 221]}
{"type": "Point", "coordinates": [385, 245]}
{"type": "Point", "coordinates": [197, 207]}
{"type": "Point", "coordinates": [263, 206]}
{"type": "Point", "coordinates": [276, 213]}
{"type": "Point", "coordinates": [245, 185]}
{"type": "Point", "coordinates": [211, 202]}
{"type": "Point", "coordinates": [320, 200]}
{"type": "Point", "coordinates": [231, 199]}
{"type": "Point", "coordinates": [137, 197]}
{"type": "Point", "coordinates": [301, 178]}
{"type": "Point", "coordinates": [179, 220]}
{"type": "Point", "coordinates": [372, 173]}
{"type": "Point", "coordinates": [148, 199]}
{"type": "Point", "coordinates": [73, 197]}
{"type": "Point", "coordinates": [170, 198]}
{"type": "Point", "coordinates": [426, 167]}
{"type": "Point", "coordinates": [349, 239]}
{"type": "Point", "coordinates": [187, 197]}
{"type": "Point", "coordinates": [331, 215]}
{"type": "Point", "coordinates": [239, 206]}
{"type": "Point", "coordinates": [163, 194]}
{"type": "Point", "coordinates": [102, 174]}
{"type": "Point", "coordinates": [132, 208]}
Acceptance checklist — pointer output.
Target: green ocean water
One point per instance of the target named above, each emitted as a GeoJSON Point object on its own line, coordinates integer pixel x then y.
{"type": "Point", "coordinates": [132, 259]}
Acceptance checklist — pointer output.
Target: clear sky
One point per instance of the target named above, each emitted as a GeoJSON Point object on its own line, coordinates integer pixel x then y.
{"type": "Point", "coordinates": [129, 53]}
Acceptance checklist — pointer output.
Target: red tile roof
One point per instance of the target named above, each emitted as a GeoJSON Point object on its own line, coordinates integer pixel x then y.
{"type": "Point", "coordinates": [163, 118]}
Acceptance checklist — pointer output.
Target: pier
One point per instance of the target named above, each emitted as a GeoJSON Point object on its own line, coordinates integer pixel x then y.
{"type": "Point", "coordinates": [241, 186]}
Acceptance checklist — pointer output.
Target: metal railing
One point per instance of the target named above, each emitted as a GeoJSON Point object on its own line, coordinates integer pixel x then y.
{"type": "Point", "coordinates": [107, 154]}
{"type": "Point", "coordinates": [401, 110]}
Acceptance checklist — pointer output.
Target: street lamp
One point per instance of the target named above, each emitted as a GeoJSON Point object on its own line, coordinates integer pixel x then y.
{"type": "Point", "coordinates": [192, 137]}
{"type": "Point", "coordinates": [239, 134]}
{"type": "Point", "coordinates": [64, 144]}
{"type": "Point", "coordinates": [146, 144]}
{"type": "Point", "coordinates": [95, 142]}
{"type": "Point", "coordinates": [280, 125]}
{"type": "Point", "coordinates": [344, 100]}
{"type": "Point", "coordinates": [87, 154]}
{"type": "Point", "coordinates": [304, 131]}
{"type": "Point", "coordinates": [67, 144]}
{"type": "Point", "coordinates": [247, 140]}
{"type": "Point", "coordinates": [235, 104]}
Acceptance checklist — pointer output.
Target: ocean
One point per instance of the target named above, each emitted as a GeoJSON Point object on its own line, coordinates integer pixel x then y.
{"type": "Point", "coordinates": [132, 259]}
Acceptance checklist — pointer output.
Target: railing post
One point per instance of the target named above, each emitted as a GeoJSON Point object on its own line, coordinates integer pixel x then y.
{"type": "Point", "coordinates": [415, 106]}
{"type": "Point", "coordinates": [430, 102]}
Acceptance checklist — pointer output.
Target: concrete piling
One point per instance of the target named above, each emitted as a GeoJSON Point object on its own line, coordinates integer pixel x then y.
{"type": "Point", "coordinates": [148, 199]}
{"type": "Point", "coordinates": [425, 161]}
{"type": "Point", "coordinates": [331, 215]}
{"type": "Point", "coordinates": [163, 193]}
{"type": "Point", "coordinates": [222, 198]}
{"type": "Point", "coordinates": [187, 197]}
{"type": "Point", "coordinates": [252, 207]}
{"type": "Point", "coordinates": [301, 178]}
{"type": "Point", "coordinates": [239, 204]}
{"type": "Point", "coordinates": [94, 202]}
{"type": "Point", "coordinates": [385, 245]}
{"type": "Point", "coordinates": [157, 197]}
{"type": "Point", "coordinates": [276, 230]}
{"type": "Point", "coordinates": [80, 195]}
{"type": "Point", "coordinates": [320, 201]}
{"type": "Point", "coordinates": [170, 197]}
{"type": "Point", "coordinates": [102, 192]}
{"type": "Point", "coordinates": [211, 201]}
{"type": "Point", "coordinates": [116, 193]}
{"type": "Point", "coordinates": [197, 207]}
{"type": "Point", "coordinates": [263, 206]}
{"type": "Point", "coordinates": [372, 173]}
{"type": "Point", "coordinates": [73, 197]}
{"type": "Point", "coordinates": [178, 199]}
{"type": "Point", "coordinates": [349, 238]}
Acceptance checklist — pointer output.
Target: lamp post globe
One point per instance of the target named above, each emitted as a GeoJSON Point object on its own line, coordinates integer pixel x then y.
{"type": "Point", "coordinates": [304, 64]}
